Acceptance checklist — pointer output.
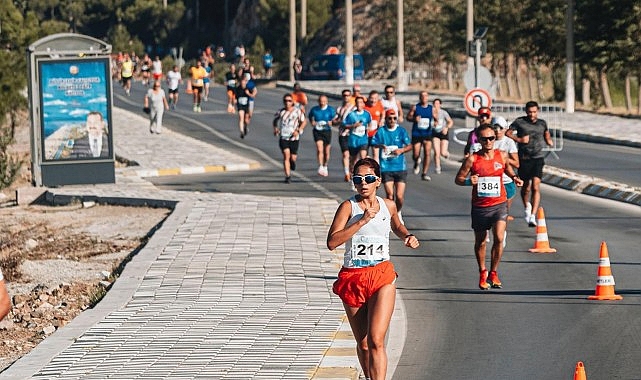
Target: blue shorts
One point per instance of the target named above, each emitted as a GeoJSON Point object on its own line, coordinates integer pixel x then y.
{"type": "Point", "coordinates": [510, 189]}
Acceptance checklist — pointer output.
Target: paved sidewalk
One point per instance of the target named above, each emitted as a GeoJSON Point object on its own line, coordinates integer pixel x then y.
{"type": "Point", "coordinates": [230, 287]}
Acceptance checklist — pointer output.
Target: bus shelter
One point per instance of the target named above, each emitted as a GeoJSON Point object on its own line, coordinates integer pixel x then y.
{"type": "Point", "coordinates": [70, 99]}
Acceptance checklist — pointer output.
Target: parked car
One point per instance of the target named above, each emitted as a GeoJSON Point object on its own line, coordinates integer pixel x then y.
{"type": "Point", "coordinates": [332, 67]}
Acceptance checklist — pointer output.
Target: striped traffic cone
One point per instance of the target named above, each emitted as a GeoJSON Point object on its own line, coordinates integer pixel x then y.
{"type": "Point", "coordinates": [579, 372]}
{"type": "Point", "coordinates": [541, 244]}
{"type": "Point", "coordinates": [604, 280]}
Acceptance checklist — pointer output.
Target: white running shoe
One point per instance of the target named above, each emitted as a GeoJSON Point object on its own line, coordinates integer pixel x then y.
{"type": "Point", "coordinates": [417, 166]}
{"type": "Point", "coordinates": [320, 170]}
{"type": "Point", "coordinates": [532, 221]}
{"type": "Point", "coordinates": [325, 171]}
{"type": "Point", "coordinates": [528, 212]}
{"type": "Point", "coordinates": [438, 170]}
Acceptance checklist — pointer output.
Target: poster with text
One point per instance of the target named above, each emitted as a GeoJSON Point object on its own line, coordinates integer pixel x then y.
{"type": "Point", "coordinates": [76, 109]}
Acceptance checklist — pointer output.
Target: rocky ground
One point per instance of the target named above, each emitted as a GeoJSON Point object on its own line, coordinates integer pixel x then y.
{"type": "Point", "coordinates": [59, 261]}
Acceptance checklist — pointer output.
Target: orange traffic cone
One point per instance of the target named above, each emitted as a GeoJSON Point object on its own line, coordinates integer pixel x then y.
{"type": "Point", "coordinates": [604, 280]}
{"type": "Point", "coordinates": [541, 244]}
{"type": "Point", "coordinates": [579, 372]}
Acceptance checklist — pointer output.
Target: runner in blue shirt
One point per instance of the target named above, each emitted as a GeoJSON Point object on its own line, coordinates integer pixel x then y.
{"type": "Point", "coordinates": [393, 142]}
{"type": "Point", "coordinates": [421, 115]}
{"type": "Point", "coordinates": [357, 122]}
{"type": "Point", "coordinates": [268, 62]}
{"type": "Point", "coordinates": [320, 117]}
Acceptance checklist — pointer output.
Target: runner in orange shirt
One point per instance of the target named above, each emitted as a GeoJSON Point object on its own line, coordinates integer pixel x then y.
{"type": "Point", "coordinates": [375, 108]}
{"type": "Point", "coordinates": [300, 99]}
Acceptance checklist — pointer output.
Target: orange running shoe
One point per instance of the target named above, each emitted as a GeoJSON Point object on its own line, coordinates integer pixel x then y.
{"type": "Point", "coordinates": [494, 280]}
{"type": "Point", "coordinates": [483, 280]}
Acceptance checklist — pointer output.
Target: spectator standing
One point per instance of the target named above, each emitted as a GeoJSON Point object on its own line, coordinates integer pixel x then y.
{"type": "Point", "coordinates": [156, 101]}
{"type": "Point", "coordinates": [288, 125]}
{"type": "Point", "coordinates": [366, 282]}
{"type": "Point", "coordinates": [421, 115]}
{"type": "Point", "coordinates": [320, 117]}
{"type": "Point", "coordinates": [483, 170]}
{"type": "Point", "coordinates": [531, 133]}
{"type": "Point", "coordinates": [441, 124]}
{"type": "Point", "coordinates": [393, 142]}
{"type": "Point", "coordinates": [298, 68]}
{"type": "Point", "coordinates": [174, 80]}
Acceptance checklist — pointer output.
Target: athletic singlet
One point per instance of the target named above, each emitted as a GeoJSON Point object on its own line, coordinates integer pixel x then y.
{"type": "Point", "coordinates": [127, 69]}
{"type": "Point", "coordinates": [288, 123]}
{"type": "Point", "coordinates": [423, 125]}
{"type": "Point", "coordinates": [390, 104]}
{"type": "Point", "coordinates": [369, 245]}
{"type": "Point", "coordinates": [490, 190]}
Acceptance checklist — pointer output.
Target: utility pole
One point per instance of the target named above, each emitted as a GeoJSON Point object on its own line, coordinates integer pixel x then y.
{"type": "Point", "coordinates": [469, 29]}
{"type": "Point", "coordinates": [349, 44]}
{"type": "Point", "coordinates": [292, 38]}
{"type": "Point", "coordinates": [569, 56]}
{"type": "Point", "coordinates": [303, 19]}
{"type": "Point", "coordinates": [400, 47]}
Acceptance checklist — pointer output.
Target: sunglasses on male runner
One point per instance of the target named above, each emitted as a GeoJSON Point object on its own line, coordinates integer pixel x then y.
{"type": "Point", "coordinates": [358, 179]}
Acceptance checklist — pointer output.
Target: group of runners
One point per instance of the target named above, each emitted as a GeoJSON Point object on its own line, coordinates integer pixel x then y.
{"type": "Point", "coordinates": [366, 281]}
{"type": "Point", "coordinates": [368, 126]}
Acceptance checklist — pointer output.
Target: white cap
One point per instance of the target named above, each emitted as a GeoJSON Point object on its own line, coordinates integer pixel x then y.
{"type": "Point", "coordinates": [500, 121]}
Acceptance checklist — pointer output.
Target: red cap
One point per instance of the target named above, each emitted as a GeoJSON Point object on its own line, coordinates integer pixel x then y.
{"type": "Point", "coordinates": [484, 111]}
{"type": "Point", "coordinates": [390, 112]}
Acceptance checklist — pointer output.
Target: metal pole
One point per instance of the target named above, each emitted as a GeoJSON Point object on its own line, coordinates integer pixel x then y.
{"type": "Point", "coordinates": [349, 44]}
{"type": "Point", "coordinates": [400, 47]}
{"type": "Point", "coordinates": [477, 62]}
{"type": "Point", "coordinates": [292, 38]}
{"type": "Point", "coordinates": [470, 29]}
{"type": "Point", "coordinates": [569, 53]}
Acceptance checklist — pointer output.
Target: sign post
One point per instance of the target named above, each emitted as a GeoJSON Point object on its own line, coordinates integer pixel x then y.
{"type": "Point", "coordinates": [475, 99]}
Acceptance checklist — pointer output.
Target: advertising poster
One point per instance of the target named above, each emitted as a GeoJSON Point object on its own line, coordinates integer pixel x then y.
{"type": "Point", "coordinates": [75, 109]}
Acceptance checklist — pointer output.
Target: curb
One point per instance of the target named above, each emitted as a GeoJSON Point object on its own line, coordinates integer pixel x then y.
{"type": "Point", "coordinates": [593, 186]}
{"type": "Point", "coordinates": [129, 172]}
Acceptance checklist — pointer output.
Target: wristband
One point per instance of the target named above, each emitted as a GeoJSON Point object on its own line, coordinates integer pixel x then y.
{"type": "Point", "coordinates": [468, 182]}
{"type": "Point", "coordinates": [408, 235]}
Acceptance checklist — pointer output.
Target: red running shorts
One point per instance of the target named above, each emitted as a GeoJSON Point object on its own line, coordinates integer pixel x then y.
{"type": "Point", "coordinates": [355, 286]}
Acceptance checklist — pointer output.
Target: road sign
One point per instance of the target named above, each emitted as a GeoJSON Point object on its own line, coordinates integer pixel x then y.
{"type": "Point", "coordinates": [484, 80]}
{"type": "Point", "coordinates": [475, 99]}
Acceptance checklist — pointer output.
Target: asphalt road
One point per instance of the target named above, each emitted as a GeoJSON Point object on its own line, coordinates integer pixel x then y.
{"type": "Point", "coordinates": [537, 327]}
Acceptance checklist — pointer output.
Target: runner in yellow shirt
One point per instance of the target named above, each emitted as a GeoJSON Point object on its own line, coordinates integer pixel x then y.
{"type": "Point", "coordinates": [198, 74]}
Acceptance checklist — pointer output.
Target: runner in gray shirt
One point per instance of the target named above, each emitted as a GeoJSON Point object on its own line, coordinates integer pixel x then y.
{"type": "Point", "coordinates": [530, 133]}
